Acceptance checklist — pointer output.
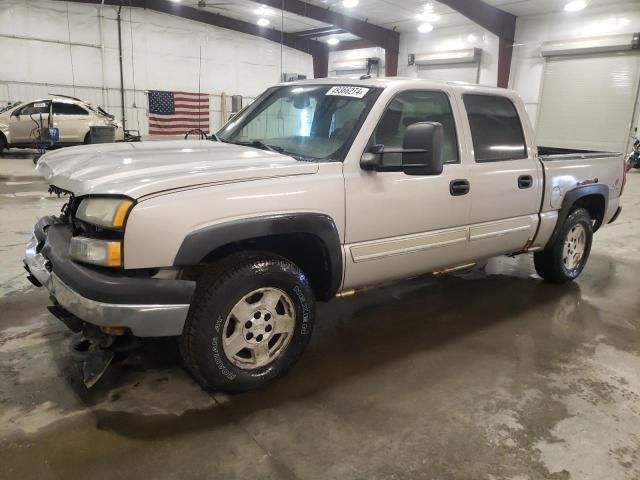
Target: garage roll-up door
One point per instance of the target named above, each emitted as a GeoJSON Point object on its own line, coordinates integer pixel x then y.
{"type": "Point", "coordinates": [588, 101]}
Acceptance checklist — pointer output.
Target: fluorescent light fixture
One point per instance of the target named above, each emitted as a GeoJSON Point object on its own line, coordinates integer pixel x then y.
{"type": "Point", "coordinates": [350, 3]}
{"type": "Point", "coordinates": [425, 28]}
{"type": "Point", "coordinates": [575, 6]}
{"type": "Point", "coordinates": [333, 41]}
{"type": "Point", "coordinates": [471, 38]}
{"type": "Point", "coordinates": [263, 22]}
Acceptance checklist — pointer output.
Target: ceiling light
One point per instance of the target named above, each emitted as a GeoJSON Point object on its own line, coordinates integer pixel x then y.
{"type": "Point", "coordinates": [471, 38]}
{"type": "Point", "coordinates": [349, 3]}
{"type": "Point", "coordinates": [333, 41]}
{"type": "Point", "coordinates": [425, 28]}
{"type": "Point", "coordinates": [575, 6]}
{"type": "Point", "coordinates": [263, 22]}
{"type": "Point", "coordinates": [263, 11]}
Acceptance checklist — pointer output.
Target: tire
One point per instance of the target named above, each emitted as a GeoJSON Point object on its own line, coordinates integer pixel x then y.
{"type": "Point", "coordinates": [241, 305]}
{"type": "Point", "coordinates": [564, 260]}
{"type": "Point", "coordinates": [3, 144]}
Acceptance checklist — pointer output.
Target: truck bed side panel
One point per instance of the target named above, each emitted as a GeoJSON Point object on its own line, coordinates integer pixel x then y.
{"type": "Point", "coordinates": [567, 172]}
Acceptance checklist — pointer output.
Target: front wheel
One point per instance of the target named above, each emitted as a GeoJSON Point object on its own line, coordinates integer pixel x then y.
{"type": "Point", "coordinates": [564, 260]}
{"type": "Point", "coordinates": [251, 320]}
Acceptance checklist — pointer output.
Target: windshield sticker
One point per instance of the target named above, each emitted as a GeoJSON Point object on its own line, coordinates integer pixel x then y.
{"type": "Point", "coordinates": [39, 105]}
{"type": "Point", "coordinates": [348, 91]}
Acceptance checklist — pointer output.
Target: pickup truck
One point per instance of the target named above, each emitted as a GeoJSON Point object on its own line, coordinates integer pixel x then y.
{"type": "Point", "coordinates": [317, 188]}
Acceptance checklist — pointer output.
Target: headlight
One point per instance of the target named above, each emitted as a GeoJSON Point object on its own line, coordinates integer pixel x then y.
{"type": "Point", "coordinates": [104, 212]}
{"type": "Point", "coordinates": [105, 253]}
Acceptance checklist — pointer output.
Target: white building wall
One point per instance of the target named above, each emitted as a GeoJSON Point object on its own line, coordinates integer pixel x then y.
{"type": "Point", "coordinates": [527, 67]}
{"type": "Point", "coordinates": [357, 54]}
{"type": "Point", "coordinates": [452, 38]}
{"type": "Point", "coordinates": [69, 48]}
{"type": "Point", "coordinates": [439, 40]}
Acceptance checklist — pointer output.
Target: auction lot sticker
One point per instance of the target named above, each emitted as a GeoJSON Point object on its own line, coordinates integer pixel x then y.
{"type": "Point", "coordinates": [348, 91]}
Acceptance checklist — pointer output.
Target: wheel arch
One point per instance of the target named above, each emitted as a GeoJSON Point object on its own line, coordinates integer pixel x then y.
{"type": "Point", "coordinates": [310, 240]}
{"type": "Point", "coordinates": [593, 198]}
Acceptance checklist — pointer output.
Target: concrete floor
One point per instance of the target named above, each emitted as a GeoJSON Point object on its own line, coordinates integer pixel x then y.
{"type": "Point", "coordinates": [493, 375]}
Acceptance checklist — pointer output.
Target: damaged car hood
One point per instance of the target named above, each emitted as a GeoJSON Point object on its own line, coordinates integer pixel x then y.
{"type": "Point", "coordinates": [139, 169]}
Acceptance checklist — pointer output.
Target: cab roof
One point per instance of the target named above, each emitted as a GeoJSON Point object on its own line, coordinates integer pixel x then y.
{"type": "Point", "coordinates": [397, 82]}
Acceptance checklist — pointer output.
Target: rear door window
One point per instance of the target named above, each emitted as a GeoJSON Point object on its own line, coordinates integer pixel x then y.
{"type": "Point", "coordinates": [495, 128]}
{"type": "Point", "coordinates": [60, 108]}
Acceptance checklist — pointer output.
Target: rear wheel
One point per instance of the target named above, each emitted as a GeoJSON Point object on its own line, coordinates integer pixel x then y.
{"type": "Point", "coordinates": [87, 138]}
{"type": "Point", "coordinates": [251, 320]}
{"type": "Point", "coordinates": [3, 143]}
{"type": "Point", "coordinates": [565, 259]}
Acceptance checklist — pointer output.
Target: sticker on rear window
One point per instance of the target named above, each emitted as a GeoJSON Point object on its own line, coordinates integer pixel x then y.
{"type": "Point", "coordinates": [348, 91]}
{"type": "Point", "coordinates": [39, 105]}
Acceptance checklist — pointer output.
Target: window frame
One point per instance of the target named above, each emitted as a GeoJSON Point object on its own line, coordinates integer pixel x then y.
{"type": "Point", "coordinates": [515, 108]}
{"type": "Point", "coordinates": [451, 109]}
{"type": "Point", "coordinates": [20, 111]}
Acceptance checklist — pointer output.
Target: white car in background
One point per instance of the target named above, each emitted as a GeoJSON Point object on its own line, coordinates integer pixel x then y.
{"type": "Point", "coordinates": [20, 124]}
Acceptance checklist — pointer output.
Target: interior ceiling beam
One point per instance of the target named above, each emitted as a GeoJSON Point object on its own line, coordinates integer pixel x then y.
{"type": "Point", "coordinates": [200, 15]}
{"type": "Point", "coordinates": [352, 45]}
{"type": "Point", "coordinates": [382, 37]}
{"type": "Point", "coordinates": [498, 22]}
{"type": "Point", "coordinates": [320, 32]}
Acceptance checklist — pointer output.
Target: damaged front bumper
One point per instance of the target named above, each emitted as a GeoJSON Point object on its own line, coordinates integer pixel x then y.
{"type": "Point", "coordinates": [146, 306]}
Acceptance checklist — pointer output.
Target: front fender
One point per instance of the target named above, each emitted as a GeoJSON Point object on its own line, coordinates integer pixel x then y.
{"type": "Point", "coordinates": [199, 243]}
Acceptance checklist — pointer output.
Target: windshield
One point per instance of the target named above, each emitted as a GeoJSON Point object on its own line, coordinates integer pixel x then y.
{"type": "Point", "coordinates": [308, 122]}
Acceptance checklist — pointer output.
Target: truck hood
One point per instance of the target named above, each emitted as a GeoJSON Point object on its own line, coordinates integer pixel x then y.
{"type": "Point", "coordinates": [139, 169]}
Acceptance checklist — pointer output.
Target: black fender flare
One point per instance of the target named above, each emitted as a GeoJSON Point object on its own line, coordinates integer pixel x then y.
{"type": "Point", "coordinates": [569, 200]}
{"type": "Point", "coordinates": [200, 243]}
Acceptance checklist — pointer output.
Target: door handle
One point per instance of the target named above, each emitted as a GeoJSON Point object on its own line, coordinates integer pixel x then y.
{"type": "Point", "coordinates": [459, 187]}
{"type": "Point", "coordinates": [525, 181]}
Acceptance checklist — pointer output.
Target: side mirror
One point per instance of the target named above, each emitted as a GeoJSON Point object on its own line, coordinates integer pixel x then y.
{"type": "Point", "coordinates": [423, 149]}
{"type": "Point", "coordinates": [422, 152]}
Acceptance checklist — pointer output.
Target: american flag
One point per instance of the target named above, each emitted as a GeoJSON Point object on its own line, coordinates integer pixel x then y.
{"type": "Point", "coordinates": [175, 113]}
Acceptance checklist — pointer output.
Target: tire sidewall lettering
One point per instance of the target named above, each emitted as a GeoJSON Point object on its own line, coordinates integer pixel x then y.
{"type": "Point", "coordinates": [304, 306]}
{"type": "Point", "coordinates": [219, 360]}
